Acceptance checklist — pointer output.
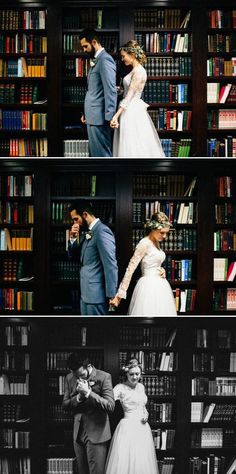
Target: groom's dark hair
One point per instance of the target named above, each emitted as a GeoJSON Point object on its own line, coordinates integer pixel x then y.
{"type": "Point", "coordinates": [90, 35]}
{"type": "Point", "coordinates": [77, 360]}
{"type": "Point", "coordinates": [82, 205]}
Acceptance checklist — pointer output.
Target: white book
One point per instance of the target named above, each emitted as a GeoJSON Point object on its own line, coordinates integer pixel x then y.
{"type": "Point", "coordinates": [183, 299]}
{"type": "Point", "coordinates": [208, 412]}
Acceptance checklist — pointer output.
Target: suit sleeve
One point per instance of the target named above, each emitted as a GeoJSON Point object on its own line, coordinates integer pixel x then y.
{"type": "Point", "coordinates": [107, 252]}
{"type": "Point", "coordinates": [108, 77]}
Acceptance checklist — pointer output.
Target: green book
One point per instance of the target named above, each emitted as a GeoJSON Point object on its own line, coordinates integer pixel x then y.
{"type": "Point", "coordinates": [93, 185]}
{"type": "Point", "coordinates": [99, 19]}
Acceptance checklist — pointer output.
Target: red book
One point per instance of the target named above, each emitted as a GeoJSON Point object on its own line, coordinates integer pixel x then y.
{"type": "Point", "coordinates": [231, 272]}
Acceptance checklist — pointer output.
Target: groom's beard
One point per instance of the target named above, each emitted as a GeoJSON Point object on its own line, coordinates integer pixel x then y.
{"type": "Point", "coordinates": [92, 52]}
{"type": "Point", "coordinates": [84, 225]}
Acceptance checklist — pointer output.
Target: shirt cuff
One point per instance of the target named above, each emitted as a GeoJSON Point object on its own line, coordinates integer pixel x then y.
{"type": "Point", "coordinates": [72, 240]}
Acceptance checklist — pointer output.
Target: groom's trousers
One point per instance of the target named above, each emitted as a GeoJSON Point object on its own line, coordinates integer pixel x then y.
{"type": "Point", "coordinates": [100, 140]}
{"type": "Point", "coordinates": [90, 457]}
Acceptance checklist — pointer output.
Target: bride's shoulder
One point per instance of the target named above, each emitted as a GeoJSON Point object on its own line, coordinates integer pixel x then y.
{"type": "Point", "coordinates": [144, 242]}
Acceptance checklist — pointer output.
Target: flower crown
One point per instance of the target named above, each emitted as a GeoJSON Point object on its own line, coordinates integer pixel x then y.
{"type": "Point", "coordinates": [136, 50]}
{"type": "Point", "coordinates": [152, 224]}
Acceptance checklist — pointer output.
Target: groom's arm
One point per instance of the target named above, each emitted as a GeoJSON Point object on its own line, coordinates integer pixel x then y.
{"type": "Point", "coordinates": [107, 252]}
{"type": "Point", "coordinates": [108, 77]}
{"type": "Point", "coordinates": [103, 401]}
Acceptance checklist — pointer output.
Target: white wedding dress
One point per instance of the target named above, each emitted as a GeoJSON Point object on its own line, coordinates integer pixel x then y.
{"type": "Point", "coordinates": [136, 136]}
{"type": "Point", "coordinates": [152, 295]}
{"type": "Point", "coordinates": [132, 449]}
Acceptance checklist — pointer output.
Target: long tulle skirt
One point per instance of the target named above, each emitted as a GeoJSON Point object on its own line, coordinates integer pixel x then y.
{"type": "Point", "coordinates": [152, 296]}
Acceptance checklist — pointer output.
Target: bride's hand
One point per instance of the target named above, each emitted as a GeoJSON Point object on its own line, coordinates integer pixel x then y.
{"type": "Point", "coordinates": [162, 273]}
{"type": "Point", "coordinates": [145, 417]}
{"type": "Point", "coordinates": [114, 122]}
{"type": "Point", "coordinates": [115, 301]}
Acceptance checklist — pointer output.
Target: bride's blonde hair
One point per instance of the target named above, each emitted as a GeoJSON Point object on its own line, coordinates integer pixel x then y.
{"type": "Point", "coordinates": [132, 47]}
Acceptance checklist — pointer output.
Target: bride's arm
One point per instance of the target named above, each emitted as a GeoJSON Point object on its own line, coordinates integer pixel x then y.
{"type": "Point", "coordinates": [138, 255]}
{"type": "Point", "coordinates": [137, 83]}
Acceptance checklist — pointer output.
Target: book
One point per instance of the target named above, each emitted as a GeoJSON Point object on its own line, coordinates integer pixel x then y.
{"type": "Point", "coordinates": [231, 271]}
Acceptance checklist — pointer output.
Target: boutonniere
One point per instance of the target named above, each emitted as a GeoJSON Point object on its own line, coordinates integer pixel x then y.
{"type": "Point", "coordinates": [92, 62]}
{"type": "Point", "coordinates": [88, 235]}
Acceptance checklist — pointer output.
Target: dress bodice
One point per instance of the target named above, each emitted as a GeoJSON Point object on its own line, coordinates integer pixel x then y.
{"type": "Point", "coordinates": [133, 84]}
{"type": "Point", "coordinates": [151, 259]}
{"type": "Point", "coordinates": [133, 400]}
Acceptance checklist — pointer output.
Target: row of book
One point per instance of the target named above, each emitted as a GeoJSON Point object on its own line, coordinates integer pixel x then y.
{"type": "Point", "coordinates": [217, 67]}
{"type": "Point", "coordinates": [147, 336]}
{"type": "Point", "coordinates": [222, 270]}
{"type": "Point", "coordinates": [76, 334]}
{"type": "Point", "coordinates": [10, 438]}
{"type": "Point", "coordinates": [24, 147]}
{"type": "Point", "coordinates": [12, 360]}
{"type": "Point", "coordinates": [19, 240]}
{"type": "Point", "coordinates": [22, 120]}
{"type": "Point", "coordinates": [15, 465]}
{"type": "Point", "coordinates": [225, 338]}
{"type": "Point", "coordinates": [224, 299]}
{"type": "Point", "coordinates": [217, 93]}
{"type": "Point", "coordinates": [16, 185]}
{"type": "Point", "coordinates": [14, 384]}
{"type": "Point", "coordinates": [74, 94]}
{"type": "Point", "coordinates": [207, 362]}
{"type": "Point", "coordinates": [221, 43]}
{"type": "Point", "coordinates": [71, 43]}
{"type": "Point", "coordinates": [151, 361]}
{"type": "Point", "coordinates": [23, 67]}
{"type": "Point", "coordinates": [185, 299]}
{"type": "Point", "coordinates": [159, 385]}
{"type": "Point", "coordinates": [61, 214]}
{"type": "Point", "coordinates": [163, 439]}
{"type": "Point", "coordinates": [220, 386]}
{"type": "Point", "coordinates": [214, 412]}
{"type": "Point", "coordinates": [13, 413]}
{"type": "Point", "coordinates": [91, 18]}
{"type": "Point", "coordinates": [76, 148]}
{"type": "Point", "coordinates": [162, 185]}
{"type": "Point", "coordinates": [221, 119]}
{"type": "Point", "coordinates": [169, 66]}
{"type": "Point", "coordinates": [211, 464]}
{"type": "Point", "coordinates": [26, 43]}
{"type": "Point", "coordinates": [222, 18]}
{"type": "Point", "coordinates": [61, 465]}
{"type": "Point", "coordinates": [164, 91]}
{"type": "Point", "coordinates": [166, 465]}
{"type": "Point", "coordinates": [171, 119]}
{"type": "Point", "coordinates": [180, 239]}
{"type": "Point", "coordinates": [56, 385]}
{"type": "Point", "coordinates": [23, 19]}
{"type": "Point", "coordinates": [176, 148]}
{"type": "Point", "coordinates": [224, 239]}
{"type": "Point", "coordinates": [213, 438]}
{"type": "Point", "coordinates": [225, 147]}
{"type": "Point", "coordinates": [178, 213]}
{"type": "Point", "coordinates": [64, 270]}
{"type": "Point", "coordinates": [16, 213]}
{"type": "Point", "coordinates": [12, 299]}
{"type": "Point", "coordinates": [160, 18]}
{"type": "Point", "coordinates": [15, 335]}
{"type": "Point", "coordinates": [57, 361]}
{"type": "Point", "coordinates": [76, 67]}
{"type": "Point", "coordinates": [179, 269]}
{"type": "Point", "coordinates": [57, 414]}
{"type": "Point", "coordinates": [165, 42]}
{"type": "Point", "coordinates": [26, 93]}
{"type": "Point", "coordinates": [82, 184]}
{"type": "Point", "coordinates": [224, 186]}
{"type": "Point", "coordinates": [225, 213]}
{"type": "Point", "coordinates": [159, 412]}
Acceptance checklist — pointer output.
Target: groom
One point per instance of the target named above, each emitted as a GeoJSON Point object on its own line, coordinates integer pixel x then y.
{"type": "Point", "coordinates": [101, 96]}
{"type": "Point", "coordinates": [89, 395]}
{"type": "Point", "coordinates": [96, 253]}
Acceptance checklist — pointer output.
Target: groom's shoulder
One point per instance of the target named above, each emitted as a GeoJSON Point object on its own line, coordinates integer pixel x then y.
{"type": "Point", "coordinates": [102, 374]}
{"type": "Point", "coordinates": [105, 56]}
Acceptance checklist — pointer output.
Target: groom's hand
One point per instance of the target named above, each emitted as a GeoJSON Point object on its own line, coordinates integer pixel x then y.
{"type": "Point", "coordinates": [115, 301]}
{"type": "Point", "coordinates": [83, 119]}
{"type": "Point", "coordinates": [74, 232]}
{"type": "Point", "coordinates": [83, 388]}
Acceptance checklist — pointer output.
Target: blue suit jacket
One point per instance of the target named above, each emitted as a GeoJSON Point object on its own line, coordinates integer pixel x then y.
{"type": "Point", "coordinates": [101, 97]}
{"type": "Point", "coordinates": [98, 272]}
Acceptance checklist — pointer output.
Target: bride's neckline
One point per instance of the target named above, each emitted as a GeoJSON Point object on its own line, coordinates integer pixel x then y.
{"type": "Point", "coordinates": [129, 386]}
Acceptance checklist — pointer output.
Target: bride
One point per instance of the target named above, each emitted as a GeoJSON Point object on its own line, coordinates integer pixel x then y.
{"type": "Point", "coordinates": [132, 449]}
{"type": "Point", "coordinates": [135, 136]}
{"type": "Point", "coordinates": [152, 294]}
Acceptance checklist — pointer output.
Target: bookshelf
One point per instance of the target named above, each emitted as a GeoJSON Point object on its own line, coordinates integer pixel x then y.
{"type": "Point", "coordinates": [122, 205]}
{"type": "Point", "coordinates": [23, 81]}
{"type": "Point", "coordinates": [16, 242]}
{"type": "Point", "coordinates": [213, 400]}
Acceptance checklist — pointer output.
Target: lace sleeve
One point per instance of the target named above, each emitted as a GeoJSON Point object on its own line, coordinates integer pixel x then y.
{"type": "Point", "coordinates": [117, 392]}
{"type": "Point", "coordinates": [139, 253]}
{"type": "Point", "coordinates": [138, 80]}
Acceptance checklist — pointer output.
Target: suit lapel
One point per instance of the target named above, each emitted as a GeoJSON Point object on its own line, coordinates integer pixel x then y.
{"type": "Point", "coordinates": [85, 243]}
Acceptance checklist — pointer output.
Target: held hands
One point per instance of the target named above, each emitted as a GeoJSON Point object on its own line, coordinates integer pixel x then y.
{"type": "Point", "coordinates": [115, 301]}
{"type": "Point", "coordinates": [114, 122]}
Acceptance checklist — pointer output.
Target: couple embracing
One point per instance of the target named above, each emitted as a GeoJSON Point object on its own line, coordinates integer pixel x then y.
{"type": "Point", "coordinates": [135, 135]}
{"type": "Point", "coordinates": [90, 397]}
